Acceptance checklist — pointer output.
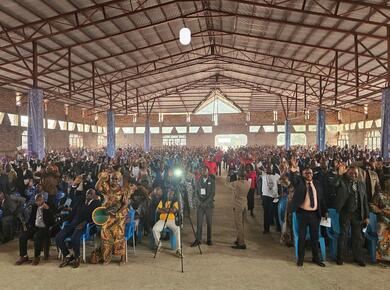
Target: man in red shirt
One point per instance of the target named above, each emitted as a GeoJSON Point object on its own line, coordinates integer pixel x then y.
{"type": "Point", "coordinates": [251, 175]}
{"type": "Point", "coordinates": [211, 166]}
{"type": "Point", "coordinates": [218, 160]}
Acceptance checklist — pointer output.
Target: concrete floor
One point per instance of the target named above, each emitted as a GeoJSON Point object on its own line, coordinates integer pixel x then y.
{"type": "Point", "coordinates": [264, 265]}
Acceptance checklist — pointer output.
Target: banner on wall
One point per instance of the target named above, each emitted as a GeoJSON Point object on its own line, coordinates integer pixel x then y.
{"type": "Point", "coordinates": [35, 133]}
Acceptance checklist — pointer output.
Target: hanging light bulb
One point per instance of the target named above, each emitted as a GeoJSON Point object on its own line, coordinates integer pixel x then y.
{"type": "Point", "coordinates": [185, 36]}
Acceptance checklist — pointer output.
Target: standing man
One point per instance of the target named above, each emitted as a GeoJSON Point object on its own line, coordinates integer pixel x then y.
{"type": "Point", "coordinates": [252, 177]}
{"type": "Point", "coordinates": [269, 193]}
{"type": "Point", "coordinates": [352, 205]}
{"type": "Point", "coordinates": [9, 208]}
{"type": "Point", "coordinates": [309, 204]}
{"type": "Point", "coordinates": [240, 188]}
{"type": "Point", "coordinates": [204, 196]}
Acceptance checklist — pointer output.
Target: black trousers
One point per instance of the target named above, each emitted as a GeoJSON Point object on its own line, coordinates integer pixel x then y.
{"type": "Point", "coordinates": [75, 236]}
{"type": "Point", "coordinates": [8, 228]}
{"type": "Point", "coordinates": [219, 166]}
{"type": "Point", "coordinates": [268, 211]}
{"type": "Point", "coordinates": [355, 221]}
{"type": "Point", "coordinates": [200, 213]}
{"type": "Point", "coordinates": [311, 219]}
{"type": "Point", "coordinates": [38, 235]}
{"type": "Point", "coordinates": [251, 199]}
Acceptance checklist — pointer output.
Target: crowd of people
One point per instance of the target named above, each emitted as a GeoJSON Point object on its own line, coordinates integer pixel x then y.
{"type": "Point", "coordinates": [55, 198]}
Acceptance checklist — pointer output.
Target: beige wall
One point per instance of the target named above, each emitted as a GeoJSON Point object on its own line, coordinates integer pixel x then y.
{"type": "Point", "coordinates": [10, 137]}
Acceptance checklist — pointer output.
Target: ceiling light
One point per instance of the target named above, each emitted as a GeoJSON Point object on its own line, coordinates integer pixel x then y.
{"type": "Point", "coordinates": [185, 36]}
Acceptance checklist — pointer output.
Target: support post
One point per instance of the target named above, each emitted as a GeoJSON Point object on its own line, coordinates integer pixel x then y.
{"type": "Point", "coordinates": [287, 132]}
{"type": "Point", "coordinates": [35, 133]}
{"type": "Point", "coordinates": [110, 150]}
{"type": "Point", "coordinates": [320, 140]}
{"type": "Point", "coordinates": [147, 135]}
{"type": "Point", "coordinates": [385, 134]}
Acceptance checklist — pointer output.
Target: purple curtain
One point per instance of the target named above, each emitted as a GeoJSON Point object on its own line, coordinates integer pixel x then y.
{"type": "Point", "coordinates": [110, 134]}
{"type": "Point", "coordinates": [321, 129]}
{"type": "Point", "coordinates": [287, 132]}
{"type": "Point", "coordinates": [35, 133]}
{"type": "Point", "coordinates": [385, 136]}
{"type": "Point", "coordinates": [147, 135]}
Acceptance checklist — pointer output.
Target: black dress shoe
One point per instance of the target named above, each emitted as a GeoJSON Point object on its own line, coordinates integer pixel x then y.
{"type": "Point", "coordinates": [265, 232]}
{"type": "Point", "coordinates": [299, 264]}
{"type": "Point", "coordinates": [66, 261]}
{"type": "Point", "coordinates": [236, 243]}
{"type": "Point", "coordinates": [339, 262]}
{"type": "Point", "coordinates": [239, 247]}
{"type": "Point", "coordinates": [76, 263]}
{"type": "Point", "coordinates": [360, 263]}
{"type": "Point", "coordinates": [209, 243]}
{"type": "Point", "coordinates": [195, 244]}
{"type": "Point", "coordinates": [320, 264]}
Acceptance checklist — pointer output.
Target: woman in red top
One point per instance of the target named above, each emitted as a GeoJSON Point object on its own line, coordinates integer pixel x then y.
{"type": "Point", "coordinates": [212, 166]}
{"type": "Point", "coordinates": [251, 175]}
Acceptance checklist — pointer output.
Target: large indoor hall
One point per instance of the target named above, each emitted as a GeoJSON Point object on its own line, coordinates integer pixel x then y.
{"type": "Point", "coordinates": [207, 144]}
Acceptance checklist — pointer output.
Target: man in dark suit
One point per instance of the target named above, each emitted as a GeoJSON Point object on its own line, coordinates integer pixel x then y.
{"type": "Point", "coordinates": [352, 205]}
{"type": "Point", "coordinates": [204, 196]}
{"type": "Point", "coordinates": [309, 204]}
{"type": "Point", "coordinates": [24, 175]}
{"type": "Point", "coordinates": [324, 175]}
{"type": "Point", "coordinates": [9, 208]}
{"type": "Point", "coordinates": [4, 182]}
{"type": "Point", "coordinates": [81, 215]}
{"type": "Point", "coordinates": [40, 221]}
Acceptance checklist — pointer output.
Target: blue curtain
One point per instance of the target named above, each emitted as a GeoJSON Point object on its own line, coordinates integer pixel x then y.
{"type": "Point", "coordinates": [110, 133]}
{"type": "Point", "coordinates": [287, 132]}
{"type": "Point", "coordinates": [321, 129]}
{"type": "Point", "coordinates": [147, 135]}
{"type": "Point", "coordinates": [35, 133]}
{"type": "Point", "coordinates": [385, 136]}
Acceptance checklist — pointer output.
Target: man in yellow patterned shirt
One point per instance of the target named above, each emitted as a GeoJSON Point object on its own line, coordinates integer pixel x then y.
{"type": "Point", "coordinates": [170, 207]}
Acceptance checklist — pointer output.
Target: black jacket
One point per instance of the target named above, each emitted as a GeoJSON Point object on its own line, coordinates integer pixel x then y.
{"type": "Point", "coordinates": [82, 213]}
{"type": "Point", "coordinates": [4, 184]}
{"type": "Point", "coordinates": [206, 200]}
{"type": "Point", "coordinates": [300, 191]}
{"type": "Point", "coordinates": [48, 218]}
{"type": "Point", "coordinates": [343, 191]}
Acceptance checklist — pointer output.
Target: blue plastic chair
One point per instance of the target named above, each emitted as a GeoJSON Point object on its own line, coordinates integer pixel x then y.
{"type": "Point", "coordinates": [130, 230]}
{"type": "Point", "coordinates": [296, 237]}
{"type": "Point", "coordinates": [372, 236]}
{"type": "Point", "coordinates": [333, 232]}
{"type": "Point", "coordinates": [88, 234]}
{"type": "Point", "coordinates": [282, 205]}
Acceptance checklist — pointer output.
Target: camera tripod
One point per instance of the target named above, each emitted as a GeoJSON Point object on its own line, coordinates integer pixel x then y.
{"type": "Point", "coordinates": [180, 226]}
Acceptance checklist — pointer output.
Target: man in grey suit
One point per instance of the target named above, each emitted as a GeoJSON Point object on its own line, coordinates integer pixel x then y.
{"type": "Point", "coordinates": [352, 205]}
{"type": "Point", "coordinates": [204, 199]}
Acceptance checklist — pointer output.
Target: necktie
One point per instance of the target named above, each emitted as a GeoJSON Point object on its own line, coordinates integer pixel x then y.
{"type": "Point", "coordinates": [311, 195]}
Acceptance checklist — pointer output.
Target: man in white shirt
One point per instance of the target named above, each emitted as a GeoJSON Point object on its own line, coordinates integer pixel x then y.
{"type": "Point", "coordinates": [269, 191]}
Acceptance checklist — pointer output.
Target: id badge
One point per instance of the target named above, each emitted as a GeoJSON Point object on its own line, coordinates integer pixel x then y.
{"type": "Point", "coordinates": [203, 191]}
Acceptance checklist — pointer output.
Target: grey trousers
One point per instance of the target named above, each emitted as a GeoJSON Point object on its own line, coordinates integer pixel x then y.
{"type": "Point", "coordinates": [200, 213]}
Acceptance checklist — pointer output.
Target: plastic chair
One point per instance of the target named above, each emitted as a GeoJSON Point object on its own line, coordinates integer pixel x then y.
{"type": "Point", "coordinates": [333, 232]}
{"type": "Point", "coordinates": [372, 236]}
{"type": "Point", "coordinates": [282, 209]}
{"type": "Point", "coordinates": [86, 236]}
{"type": "Point", "coordinates": [172, 238]}
{"type": "Point", "coordinates": [296, 237]}
{"type": "Point", "coordinates": [130, 230]}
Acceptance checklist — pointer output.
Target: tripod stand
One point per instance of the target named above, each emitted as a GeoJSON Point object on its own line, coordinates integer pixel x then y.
{"type": "Point", "coordinates": [180, 226]}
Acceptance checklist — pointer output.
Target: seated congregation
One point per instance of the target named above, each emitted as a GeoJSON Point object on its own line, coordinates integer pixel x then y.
{"type": "Point", "coordinates": [337, 199]}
